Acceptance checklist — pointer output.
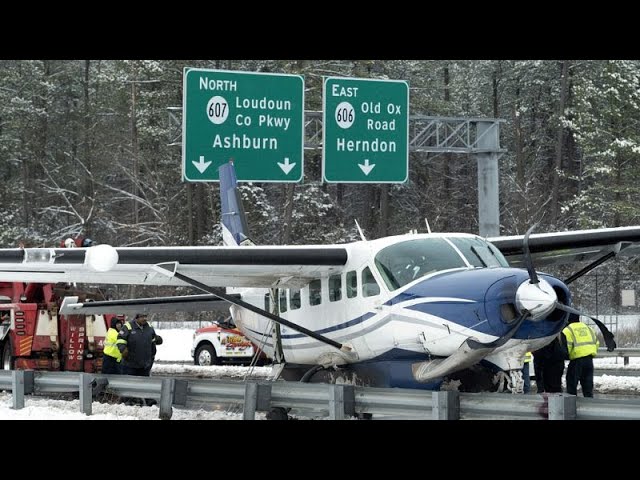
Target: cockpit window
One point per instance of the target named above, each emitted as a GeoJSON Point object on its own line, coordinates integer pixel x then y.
{"type": "Point", "coordinates": [404, 262]}
{"type": "Point", "coordinates": [480, 253]}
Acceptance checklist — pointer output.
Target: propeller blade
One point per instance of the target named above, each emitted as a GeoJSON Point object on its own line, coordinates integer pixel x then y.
{"type": "Point", "coordinates": [527, 255]}
{"type": "Point", "coordinates": [606, 334]}
{"type": "Point", "coordinates": [470, 352]}
{"type": "Point", "coordinates": [498, 342]}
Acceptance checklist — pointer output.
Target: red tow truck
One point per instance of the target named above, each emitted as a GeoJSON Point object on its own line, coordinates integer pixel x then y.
{"type": "Point", "coordinates": [33, 335]}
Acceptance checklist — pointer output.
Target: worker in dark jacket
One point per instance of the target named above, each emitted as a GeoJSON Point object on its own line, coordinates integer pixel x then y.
{"type": "Point", "coordinates": [112, 357]}
{"type": "Point", "coordinates": [139, 346]}
{"type": "Point", "coordinates": [548, 363]}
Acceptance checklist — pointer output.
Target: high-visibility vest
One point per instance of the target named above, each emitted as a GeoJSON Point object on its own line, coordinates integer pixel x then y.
{"type": "Point", "coordinates": [581, 340]}
{"type": "Point", "coordinates": [111, 344]}
{"type": "Point", "coordinates": [528, 357]}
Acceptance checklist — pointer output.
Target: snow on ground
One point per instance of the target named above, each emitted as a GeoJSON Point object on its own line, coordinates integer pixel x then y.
{"type": "Point", "coordinates": [37, 408]}
{"type": "Point", "coordinates": [176, 345]}
{"type": "Point", "coordinates": [611, 384]}
{"type": "Point", "coordinates": [216, 371]}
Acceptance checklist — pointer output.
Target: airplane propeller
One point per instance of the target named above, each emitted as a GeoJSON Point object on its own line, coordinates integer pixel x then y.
{"type": "Point", "coordinates": [606, 334]}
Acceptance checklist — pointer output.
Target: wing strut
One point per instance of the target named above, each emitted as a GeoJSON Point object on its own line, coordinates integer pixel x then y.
{"type": "Point", "coordinates": [264, 313]}
{"type": "Point", "coordinates": [589, 267]}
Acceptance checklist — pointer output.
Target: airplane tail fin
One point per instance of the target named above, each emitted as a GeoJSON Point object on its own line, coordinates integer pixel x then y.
{"type": "Point", "coordinates": [234, 223]}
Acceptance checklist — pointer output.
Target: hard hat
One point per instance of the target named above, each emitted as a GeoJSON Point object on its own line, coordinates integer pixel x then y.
{"type": "Point", "coordinates": [69, 243]}
{"type": "Point", "coordinates": [87, 242]}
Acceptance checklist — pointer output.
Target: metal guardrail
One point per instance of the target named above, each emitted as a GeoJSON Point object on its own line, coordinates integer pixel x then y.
{"type": "Point", "coordinates": [625, 353]}
{"type": "Point", "coordinates": [333, 401]}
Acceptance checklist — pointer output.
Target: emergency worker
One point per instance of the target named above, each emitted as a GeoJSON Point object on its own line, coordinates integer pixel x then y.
{"type": "Point", "coordinates": [138, 346]}
{"type": "Point", "coordinates": [112, 357]}
{"type": "Point", "coordinates": [582, 345]}
{"type": "Point", "coordinates": [526, 376]}
{"type": "Point", "coordinates": [548, 363]}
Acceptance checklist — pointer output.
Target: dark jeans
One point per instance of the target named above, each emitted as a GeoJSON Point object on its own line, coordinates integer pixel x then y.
{"type": "Point", "coordinates": [526, 378]}
{"type": "Point", "coordinates": [548, 374]}
{"type": "Point", "coordinates": [580, 370]}
{"type": "Point", "coordinates": [110, 366]}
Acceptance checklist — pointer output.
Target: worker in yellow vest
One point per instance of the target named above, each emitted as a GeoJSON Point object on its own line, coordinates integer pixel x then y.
{"type": "Point", "coordinates": [112, 357]}
{"type": "Point", "coordinates": [526, 372]}
{"type": "Point", "coordinates": [582, 345]}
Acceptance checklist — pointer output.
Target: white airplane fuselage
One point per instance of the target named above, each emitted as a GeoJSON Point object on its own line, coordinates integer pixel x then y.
{"type": "Point", "coordinates": [429, 314]}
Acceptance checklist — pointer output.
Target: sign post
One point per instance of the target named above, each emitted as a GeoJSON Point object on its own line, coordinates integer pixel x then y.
{"type": "Point", "coordinates": [256, 119]}
{"type": "Point", "coordinates": [366, 131]}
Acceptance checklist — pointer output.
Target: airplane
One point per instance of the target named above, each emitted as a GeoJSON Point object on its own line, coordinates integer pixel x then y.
{"type": "Point", "coordinates": [407, 311]}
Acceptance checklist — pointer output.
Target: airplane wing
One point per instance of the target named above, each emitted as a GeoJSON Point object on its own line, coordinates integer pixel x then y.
{"type": "Point", "coordinates": [570, 247]}
{"type": "Point", "coordinates": [288, 266]}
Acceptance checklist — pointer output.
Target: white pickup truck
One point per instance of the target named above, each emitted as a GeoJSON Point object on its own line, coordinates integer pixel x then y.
{"type": "Point", "coordinates": [217, 344]}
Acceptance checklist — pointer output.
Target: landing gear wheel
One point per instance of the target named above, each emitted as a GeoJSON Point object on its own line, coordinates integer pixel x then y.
{"type": "Point", "coordinates": [8, 361]}
{"type": "Point", "coordinates": [205, 355]}
{"type": "Point", "coordinates": [277, 413]}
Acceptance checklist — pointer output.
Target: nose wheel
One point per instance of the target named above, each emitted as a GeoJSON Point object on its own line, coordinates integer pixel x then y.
{"type": "Point", "coordinates": [511, 381]}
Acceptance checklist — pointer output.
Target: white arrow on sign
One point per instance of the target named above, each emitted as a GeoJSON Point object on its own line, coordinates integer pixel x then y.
{"type": "Point", "coordinates": [201, 165]}
{"type": "Point", "coordinates": [366, 168]}
{"type": "Point", "coordinates": [286, 166]}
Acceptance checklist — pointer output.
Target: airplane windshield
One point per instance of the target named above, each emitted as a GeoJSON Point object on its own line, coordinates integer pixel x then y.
{"type": "Point", "coordinates": [480, 253]}
{"type": "Point", "coordinates": [404, 262]}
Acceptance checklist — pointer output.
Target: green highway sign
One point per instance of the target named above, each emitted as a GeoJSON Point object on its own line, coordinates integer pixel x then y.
{"type": "Point", "coordinates": [366, 131]}
{"type": "Point", "coordinates": [256, 119]}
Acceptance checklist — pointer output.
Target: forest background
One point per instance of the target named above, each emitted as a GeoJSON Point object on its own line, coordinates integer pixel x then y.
{"type": "Point", "coordinates": [85, 149]}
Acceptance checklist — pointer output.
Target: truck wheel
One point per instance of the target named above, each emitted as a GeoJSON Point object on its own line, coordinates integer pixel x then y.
{"type": "Point", "coordinates": [7, 359]}
{"type": "Point", "coordinates": [206, 355]}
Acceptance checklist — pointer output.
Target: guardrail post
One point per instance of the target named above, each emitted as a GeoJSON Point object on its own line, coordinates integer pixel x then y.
{"type": "Point", "coordinates": [166, 398]}
{"type": "Point", "coordinates": [250, 401]}
{"type": "Point", "coordinates": [446, 405]}
{"type": "Point", "coordinates": [181, 388]}
{"type": "Point", "coordinates": [257, 398]}
{"type": "Point", "coordinates": [338, 400]}
{"type": "Point", "coordinates": [562, 407]}
{"type": "Point", "coordinates": [263, 402]}
{"type": "Point", "coordinates": [86, 393]}
{"type": "Point", "coordinates": [21, 384]}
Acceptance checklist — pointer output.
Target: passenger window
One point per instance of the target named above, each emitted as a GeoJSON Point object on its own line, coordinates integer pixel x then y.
{"type": "Point", "coordinates": [283, 300]}
{"type": "Point", "coordinates": [335, 288]}
{"type": "Point", "coordinates": [369, 285]}
{"type": "Point", "coordinates": [352, 284]}
{"type": "Point", "coordinates": [294, 298]}
{"type": "Point", "coordinates": [315, 293]}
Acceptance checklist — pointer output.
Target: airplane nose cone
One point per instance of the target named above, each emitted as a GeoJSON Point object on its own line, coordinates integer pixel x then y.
{"type": "Point", "coordinates": [539, 299]}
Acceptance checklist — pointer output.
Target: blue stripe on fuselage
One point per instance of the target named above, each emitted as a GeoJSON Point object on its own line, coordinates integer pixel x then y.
{"type": "Point", "coordinates": [487, 288]}
{"type": "Point", "coordinates": [335, 328]}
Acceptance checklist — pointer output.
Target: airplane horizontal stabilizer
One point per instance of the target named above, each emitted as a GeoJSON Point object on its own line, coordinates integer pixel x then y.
{"type": "Point", "coordinates": [185, 303]}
